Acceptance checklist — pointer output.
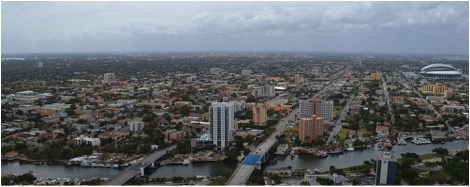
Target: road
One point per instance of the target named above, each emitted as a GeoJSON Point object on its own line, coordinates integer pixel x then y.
{"type": "Point", "coordinates": [387, 100]}
{"type": "Point", "coordinates": [134, 169]}
{"type": "Point", "coordinates": [243, 172]}
{"type": "Point", "coordinates": [338, 125]}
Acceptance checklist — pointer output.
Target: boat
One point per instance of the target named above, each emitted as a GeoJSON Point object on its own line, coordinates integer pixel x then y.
{"type": "Point", "coordinates": [85, 164]}
{"type": "Point", "coordinates": [421, 141]}
{"type": "Point", "coordinates": [107, 165]}
{"type": "Point", "coordinates": [336, 151]}
{"type": "Point", "coordinates": [115, 166]}
{"type": "Point", "coordinates": [384, 146]}
{"type": "Point", "coordinates": [350, 149]}
{"type": "Point", "coordinates": [292, 153]}
{"type": "Point", "coordinates": [401, 141]}
{"type": "Point", "coordinates": [186, 162]}
{"type": "Point", "coordinates": [94, 165]}
{"type": "Point", "coordinates": [320, 154]}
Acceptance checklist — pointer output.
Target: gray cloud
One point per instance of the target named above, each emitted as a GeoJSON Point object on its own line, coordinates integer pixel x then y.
{"type": "Point", "coordinates": [415, 27]}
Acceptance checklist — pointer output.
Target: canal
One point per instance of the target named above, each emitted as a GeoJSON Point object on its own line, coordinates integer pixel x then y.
{"type": "Point", "coordinates": [214, 168]}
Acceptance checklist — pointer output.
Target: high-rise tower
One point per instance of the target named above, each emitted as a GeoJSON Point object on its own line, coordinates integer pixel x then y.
{"type": "Point", "coordinates": [109, 77]}
{"type": "Point", "coordinates": [221, 118]}
{"type": "Point", "coordinates": [386, 168]}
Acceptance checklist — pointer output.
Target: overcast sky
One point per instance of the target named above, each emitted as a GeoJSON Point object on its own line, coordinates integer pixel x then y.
{"type": "Point", "coordinates": [389, 27]}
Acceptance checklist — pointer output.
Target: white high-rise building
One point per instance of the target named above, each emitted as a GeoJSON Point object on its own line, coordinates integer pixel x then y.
{"type": "Point", "coordinates": [323, 109]}
{"type": "Point", "coordinates": [264, 91]}
{"type": "Point", "coordinates": [238, 105]}
{"type": "Point", "coordinates": [40, 64]}
{"type": "Point", "coordinates": [109, 77]}
{"type": "Point", "coordinates": [222, 127]}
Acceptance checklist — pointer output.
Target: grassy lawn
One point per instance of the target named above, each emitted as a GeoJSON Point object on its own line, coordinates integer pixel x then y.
{"type": "Point", "coordinates": [427, 156]}
{"type": "Point", "coordinates": [343, 135]}
{"type": "Point", "coordinates": [364, 131]}
{"type": "Point", "coordinates": [422, 157]}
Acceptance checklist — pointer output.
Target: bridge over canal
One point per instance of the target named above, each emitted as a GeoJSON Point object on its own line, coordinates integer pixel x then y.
{"type": "Point", "coordinates": [138, 168]}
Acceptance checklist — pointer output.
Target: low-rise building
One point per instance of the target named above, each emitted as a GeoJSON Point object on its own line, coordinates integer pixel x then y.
{"type": "Point", "coordinates": [86, 140]}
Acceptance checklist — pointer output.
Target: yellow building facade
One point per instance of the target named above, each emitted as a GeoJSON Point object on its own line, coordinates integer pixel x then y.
{"type": "Point", "coordinates": [260, 114]}
{"type": "Point", "coordinates": [375, 76]}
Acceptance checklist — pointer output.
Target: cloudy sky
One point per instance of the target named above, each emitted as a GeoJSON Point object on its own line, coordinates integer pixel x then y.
{"type": "Point", "coordinates": [389, 27]}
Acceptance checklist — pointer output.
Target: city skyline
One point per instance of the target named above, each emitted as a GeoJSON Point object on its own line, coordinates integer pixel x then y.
{"type": "Point", "coordinates": [369, 27]}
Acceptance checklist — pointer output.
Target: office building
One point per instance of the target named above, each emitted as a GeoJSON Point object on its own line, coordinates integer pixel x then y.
{"type": "Point", "coordinates": [315, 106]}
{"type": "Point", "coordinates": [221, 119]}
{"type": "Point", "coordinates": [386, 168]}
{"type": "Point", "coordinates": [375, 76]}
{"type": "Point", "coordinates": [40, 64]}
{"type": "Point", "coordinates": [260, 114]}
{"type": "Point", "coordinates": [109, 77]}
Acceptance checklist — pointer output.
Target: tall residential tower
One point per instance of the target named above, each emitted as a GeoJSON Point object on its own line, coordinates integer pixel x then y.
{"type": "Point", "coordinates": [221, 119]}
{"type": "Point", "coordinates": [315, 106]}
{"type": "Point", "coordinates": [260, 114]}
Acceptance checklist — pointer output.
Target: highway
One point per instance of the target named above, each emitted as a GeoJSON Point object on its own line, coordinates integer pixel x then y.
{"type": "Point", "coordinates": [134, 169]}
{"type": "Point", "coordinates": [243, 172]}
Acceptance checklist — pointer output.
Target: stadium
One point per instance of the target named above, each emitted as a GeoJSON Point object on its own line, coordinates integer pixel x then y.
{"type": "Point", "coordinates": [440, 71]}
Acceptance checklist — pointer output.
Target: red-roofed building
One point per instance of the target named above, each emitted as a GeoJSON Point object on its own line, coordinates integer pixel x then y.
{"type": "Point", "coordinates": [11, 154]}
{"type": "Point", "coordinates": [278, 108]}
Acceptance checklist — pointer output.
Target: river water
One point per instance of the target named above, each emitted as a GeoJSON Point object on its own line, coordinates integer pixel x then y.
{"type": "Point", "coordinates": [212, 168]}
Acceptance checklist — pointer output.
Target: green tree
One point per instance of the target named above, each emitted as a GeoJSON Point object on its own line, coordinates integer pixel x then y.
{"type": "Point", "coordinates": [440, 151]}
{"type": "Point", "coordinates": [325, 181]}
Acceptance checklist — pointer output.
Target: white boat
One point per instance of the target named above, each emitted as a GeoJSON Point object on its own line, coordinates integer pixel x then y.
{"type": "Point", "coordinates": [401, 141]}
{"type": "Point", "coordinates": [350, 148]}
{"type": "Point", "coordinates": [186, 162]}
{"type": "Point", "coordinates": [84, 164]}
{"type": "Point", "coordinates": [292, 153]}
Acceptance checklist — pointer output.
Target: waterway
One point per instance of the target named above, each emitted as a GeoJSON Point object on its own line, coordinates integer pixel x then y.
{"type": "Point", "coordinates": [57, 171]}
{"type": "Point", "coordinates": [213, 168]}
{"type": "Point", "coordinates": [357, 157]}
